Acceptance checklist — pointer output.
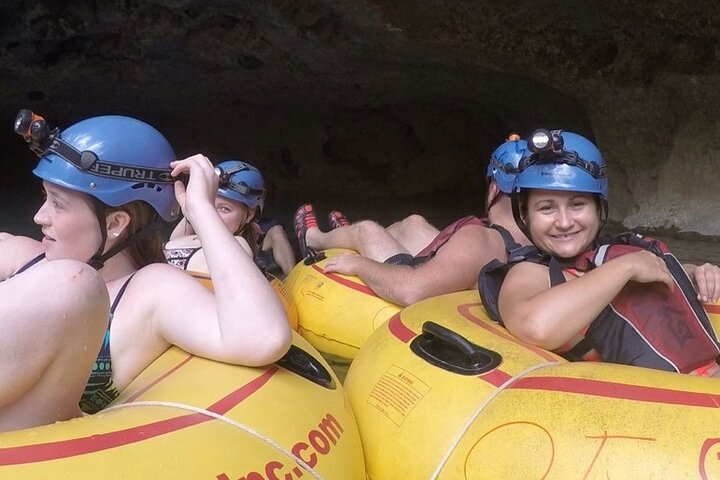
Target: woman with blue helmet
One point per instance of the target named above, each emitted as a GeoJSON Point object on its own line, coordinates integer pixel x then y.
{"type": "Point", "coordinates": [560, 202]}
{"type": "Point", "coordinates": [110, 182]}
{"type": "Point", "coordinates": [240, 201]}
{"type": "Point", "coordinates": [240, 198]}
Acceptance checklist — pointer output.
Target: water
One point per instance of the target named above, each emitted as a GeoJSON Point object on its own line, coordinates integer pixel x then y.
{"type": "Point", "coordinates": [688, 247]}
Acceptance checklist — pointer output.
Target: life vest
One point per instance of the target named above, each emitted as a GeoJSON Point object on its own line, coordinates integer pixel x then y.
{"type": "Point", "coordinates": [645, 325]}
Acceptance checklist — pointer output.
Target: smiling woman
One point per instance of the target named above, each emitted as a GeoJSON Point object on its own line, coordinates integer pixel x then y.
{"type": "Point", "coordinates": [563, 224]}
{"type": "Point", "coordinates": [623, 300]}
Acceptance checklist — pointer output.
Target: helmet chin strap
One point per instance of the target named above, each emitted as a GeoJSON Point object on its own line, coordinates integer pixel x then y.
{"type": "Point", "coordinates": [97, 261]}
{"type": "Point", "coordinates": [124, 243]}
{"type": "Point", "coordinates": [515, 201]}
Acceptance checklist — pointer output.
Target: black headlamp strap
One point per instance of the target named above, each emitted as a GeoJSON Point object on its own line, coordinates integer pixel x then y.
{"type": "Point", "coordinates": [241, 188]}
{"type": "Point", "coordinates": [504, 167]}
{"type": "Point", "coordinates": [88, 161]}
{"type": "Point", "coordinates": [567, 157]}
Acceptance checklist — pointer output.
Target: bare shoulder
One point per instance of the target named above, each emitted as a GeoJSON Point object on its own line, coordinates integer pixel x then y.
{"type": "Point", "coordinates": [527, 275]}
{"type": "Point", "coordinates": [161, 272]}
{"type": "Point", "coordinates": [478, 241]}
{"type": "Point", "coordinates": [165, 278]}
{"type": "Point", "coordinates": [465, 253]}
{"type": "Point", "coordinates": [168, 286]}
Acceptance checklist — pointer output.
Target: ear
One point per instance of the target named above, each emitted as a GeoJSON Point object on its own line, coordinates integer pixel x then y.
{"type": "Point", "coordinates": [116, 223]}
{"type": "Point", "coordinates": [493, 190]}
{"type": "Point", "coordinates": [251, 216]}
{"type": "Point", "coordinates": [492, 194]}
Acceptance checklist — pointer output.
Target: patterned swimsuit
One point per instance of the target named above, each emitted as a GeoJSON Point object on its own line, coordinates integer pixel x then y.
{"type": "Point", "coordinates": [100, 390]}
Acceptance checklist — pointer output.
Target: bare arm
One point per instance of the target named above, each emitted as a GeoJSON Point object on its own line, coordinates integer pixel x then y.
{"type": "Point", "coordinates": [551, 316]}
{"type": "Point", "coordinates": [244, 322]}
{"type": "Point", "coordinates": [455, 267]}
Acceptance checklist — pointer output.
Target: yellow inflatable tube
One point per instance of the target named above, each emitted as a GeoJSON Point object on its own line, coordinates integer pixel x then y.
{"type": "Point", "coordinates": [336, 313]}
{"type": "Point", "coordinates": [713, 311]}
{"type": "Point", "coordinates": [188, 417]}
{"type": "Point", "coordinates": [456, 397]}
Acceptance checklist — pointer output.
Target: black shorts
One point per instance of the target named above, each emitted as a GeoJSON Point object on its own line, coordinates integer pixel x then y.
{"type": "Point", "coordinates": [407, 259]}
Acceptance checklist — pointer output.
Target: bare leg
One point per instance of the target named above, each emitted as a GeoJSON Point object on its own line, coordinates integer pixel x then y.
{"type": "Point", "coordinates": [413, 232]}
{"type": "Point", "coordinates": [276, 240]}
{"type": "Point", "coordinates": [52, 321]}
{"type": "Point", "coordinates": [368, 238]}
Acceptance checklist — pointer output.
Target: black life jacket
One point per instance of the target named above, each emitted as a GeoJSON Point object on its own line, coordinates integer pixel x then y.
{"type": "Point", "coordinates": [645, 325]}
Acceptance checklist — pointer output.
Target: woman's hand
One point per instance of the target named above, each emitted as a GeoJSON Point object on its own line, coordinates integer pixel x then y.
{"type": "Point", "coordinates": [706, 278]}
{"type": "Point", "coordinates": [201, 187]}
{"type": "Point", "coordinates": [646, 267]}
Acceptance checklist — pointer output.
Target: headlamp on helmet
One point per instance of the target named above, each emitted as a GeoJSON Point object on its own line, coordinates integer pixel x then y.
{"type": "Point", "coordinates": [546, 141]}
{"type": "Point", "coordinates": [35, 130]}
{"type": "Point", "coordinates": [225, 181]}
{"type": "Point", "coordinates": [42, 139]}
{"type": "Point", "coordinates": [548, 147]}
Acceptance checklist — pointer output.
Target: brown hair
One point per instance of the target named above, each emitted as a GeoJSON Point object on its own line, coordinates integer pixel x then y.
{"type": "Point", "coordinates": [147, 249]}
{"type": "Point", "coordinates": [251, 233]}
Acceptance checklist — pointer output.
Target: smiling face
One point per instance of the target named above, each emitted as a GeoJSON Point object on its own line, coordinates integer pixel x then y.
{"type": "Point", "coordinates": [563, 224]}
{"type": "Point", "coordinates": [69, 225]}
{"type": "Point", "coordinates": [235, 215]}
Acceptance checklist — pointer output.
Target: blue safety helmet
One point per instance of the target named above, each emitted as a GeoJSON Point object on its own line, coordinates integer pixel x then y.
{"type": "Point", "coordinates": [504, 162]}
{"type": "Point", "coordinates": [243, 183]}
{"type": "Point", "coordinates": [560, 160]}
{"type": "Point", "coordinates": [115, 159]}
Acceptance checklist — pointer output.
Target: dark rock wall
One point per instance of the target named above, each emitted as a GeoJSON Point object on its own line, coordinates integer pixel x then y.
{"type": "Point", "coordinates": [390, 99]}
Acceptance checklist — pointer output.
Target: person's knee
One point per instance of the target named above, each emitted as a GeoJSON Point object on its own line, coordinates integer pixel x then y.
{"type": "Point", "coordinates": [277, 234]}
{"type": "Point", "coordinates": [79, 290]}
{"type": "Point", "coordinates": [414, 221]}
{"type": "Point", "coordinates": [368, 229]}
